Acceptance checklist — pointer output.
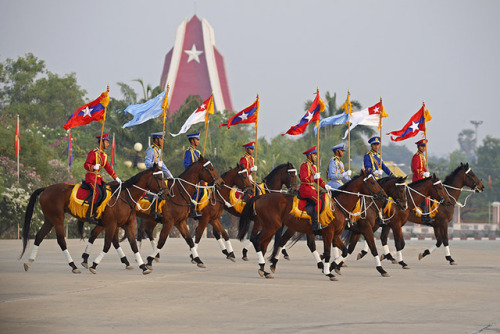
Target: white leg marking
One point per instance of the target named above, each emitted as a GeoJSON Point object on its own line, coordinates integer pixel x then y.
{"type": "Point", "coordinates": [229, 246]}
{"type": "Point", "coordinates": [261, 257]}
{"type": "Point", "coordinates": [399, 256]}
{"type": "Point", "coordinates": [386, 249]}
{"type": "Point", "coordinates": [221, 244]}
{"type": "Point", "coordinates": [317, 257]}
{"type": "Point", "coordinates": [34, 252]}
{"type": "Point", "coordinates": [277, 256]}
{"type": "Point", "coordinates": [99, 257]}
{"type": "Point", "coordinates": [377, 261]}
{"type": "Point", "coordinates": [120, 252]}
{"type": "Point", "coordinates": [138, 259]}
{"type": "Point", "coordinates": [447, 251]}
{"type": "Point", "coordinates": [67, 255]}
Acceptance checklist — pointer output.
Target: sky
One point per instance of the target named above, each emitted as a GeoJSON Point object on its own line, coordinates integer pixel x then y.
{"type": "Point", "coordinates": [445, 53]}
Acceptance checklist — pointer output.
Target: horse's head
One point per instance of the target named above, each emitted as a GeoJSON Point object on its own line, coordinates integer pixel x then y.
{"type": "Point", "coordinates": [470, 179]}
{"type": "Point", "coordinates": [438, 192]}
{"type": "Point", "coordinates": [395, 187]}
{"type": "Point", "coordinates": [291, 178]}
{"type": "Point", "coordinates": [156, 183]}
{"type": "Point", "coordinates": [243, 181]}
{"type": "Point", "coordinates": [371, 187]}
{"type": "Point", "coordinates": [207, 172]}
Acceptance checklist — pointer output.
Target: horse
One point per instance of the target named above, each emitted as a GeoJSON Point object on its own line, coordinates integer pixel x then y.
{"type": "Point", "coordinates": [282, 175]}
{"type": "Point", "coordinates": [219, 199]}
{"type": "Point", "coordinates": [175, 209]}
{"type": "Point", "coordinates": [415, 193]}
{"type": "Point", "coordinates": [454, 185]}
{"type": "Point", "coordinates": [54, 202]}
{"type": "Point", "coordinates": [273, 211]}
{"type": "Point", "coordinates": [395, 188]}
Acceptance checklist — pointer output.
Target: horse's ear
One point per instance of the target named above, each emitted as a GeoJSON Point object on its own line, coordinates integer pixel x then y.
{"type": "Point", "coordinates": [405, 178]}
{"type": "Point", "coordinates": [466, 165]}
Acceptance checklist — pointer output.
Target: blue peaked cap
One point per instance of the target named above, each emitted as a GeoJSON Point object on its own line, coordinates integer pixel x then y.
{"type": "Point", "coordinates": [374, 140]}
{"type": "Point", "coordinates": [338, 147]}
{"type": "Point", "coordinates": [193, 135]}
{"type": "Point", "coordinates": [157, 135]}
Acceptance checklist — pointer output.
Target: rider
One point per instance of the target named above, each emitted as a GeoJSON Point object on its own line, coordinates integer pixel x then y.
{"type": "Point", "coordinates": [373, 161]}
{"type": "Point", "coordinates": [153, 155]}
{"type": "Point", "coordinates": [309, 177]}
{"type": "Point", "coordinates": [419, 169]}
{"type": "Point", "coordinates": [336, 174]}
{"type": "Point", "coordinates": [247, 160]}
{"type": "Point", "coordinates": [190, 157]}
{"type": "Point", "coordinates": [96, 160]}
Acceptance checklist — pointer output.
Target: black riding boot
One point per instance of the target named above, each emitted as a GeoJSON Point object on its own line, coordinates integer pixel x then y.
{"type": "Point", "coordinates": [316, 227]}
{"type": "Point", "coordinates": [426, 218]}
{"type": "Point", "coordinates": [91, 215]}
{"type": "Point", "coordinates": [193, 213]}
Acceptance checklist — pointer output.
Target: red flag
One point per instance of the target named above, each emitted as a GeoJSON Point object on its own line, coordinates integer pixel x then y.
{"type": "Point", "coordinates": [246, 116]}
{"type": "Point", "coordinates": [311, 115]}
{"type": "Point", "coordinates": [113, 148]}
{"type": "Point", "coordinates": [93, 111]}
{"type": "Point", "coordinates": [489, 182]}
{"type": "Point", "coordinates": [413, 127]}
{"type": "Point", "coordinates": [17, 140]}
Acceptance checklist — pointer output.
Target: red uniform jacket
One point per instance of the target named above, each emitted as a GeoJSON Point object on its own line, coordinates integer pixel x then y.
{"type": "Point", "coordinates": [248, 162]}
{"type": "Point", "coordinates": [307, 188]}
{"type": "Point", "coordinates": [91, 162]}
{"type": "Point", "coordinates": [418, 166]}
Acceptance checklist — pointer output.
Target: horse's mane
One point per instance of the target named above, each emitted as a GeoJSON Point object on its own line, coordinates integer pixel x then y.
{"type": "Point", "coordinates": [418, 182]}
{"type": "Point", "coordinates": [200, 159]}
{"type": "Point", "coordinates": [133, 180]}
{"type": "Point", "coordinates": [275, 171]}
{"type": "Point", "coordinates": [225, 173]}
{"type": "Point", "coordinates": [384, 180]}
{"type": "Point", "coordinates": [345, 185]}
{"type": "Point", "coordinates": [449, 178]}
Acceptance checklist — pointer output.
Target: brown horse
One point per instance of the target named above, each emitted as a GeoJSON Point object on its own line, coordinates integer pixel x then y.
{"type": "Point", "coordinates": [454, 184]}
{"type": "Point", "coordinates": [273, 211]}
{"type": "Point", "coordinates": [282, 175]}
{"type": "Point", "coordinates": [235, 177]}
{"type": "Point", "coordinates": [175, 210]}
{"type": "Point", "coordinates": [415, 193]}
{"type": "Point", "coordinates": [120, 211]}
{"type": "Point", "coordinates": [395, 188]}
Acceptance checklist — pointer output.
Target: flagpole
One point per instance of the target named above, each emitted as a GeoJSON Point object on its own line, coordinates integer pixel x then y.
{"type": "Point", "coordinates": [425, 138]}
{"type": "Point", "coordinates": [17, 148]}
{"type": "Point", "coordinates": [71, 149]}
{"type": "Point", "coordinates": [207, 121]}
{"type": "Point", "coordinates": [380, 127]}
{"type": "Point", "coordinates": [317, 150]}
{"type": "Point", "coordinates": [256, 141]}
{"type": "Point", "coordinates": [349, 130]}
{"type": "Point", "coordinates": [98, 157]}
{"type": "Point", "coordinates": [164, 107]}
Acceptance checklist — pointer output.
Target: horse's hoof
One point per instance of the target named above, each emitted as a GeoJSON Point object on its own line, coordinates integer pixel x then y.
{"type": "Point", "coordinates": [129, 267]}
{"type": "Point", "coordinates": [201, 265]}
{"type": "Point", "coordinates": [273, 269]}
{"type": "Point", "coordinates": [337, 270]}
{"type": "Point", "coordinates": [420, 256]}
{"type": "Point", "coordinates": [145, 272]}
{"type": "Point", "coordinates": [344, 265]}
{"type": "Point", "coordinates": [85, 265]}
{"type": "Point", "coordinates": [261, 273]}
{"type": "Point", "coordinates": [285, 254]}
{"type": "Point", "coordinates": [382, 271]}
{"type": "Point", "coordinates": [382, 257]}
{"type": "Point", "coordinates": [332, 277]}
{"type": "Point", "coordinates": [268, 275]}
{"type": "Point", "coordinates": [157, 259]}
{"type": "Point", "coordinates": [149, 267]}
{"type": "Point", "coordinates": [244, 258]}
{"type": "Point", "coordinates": [76, 271]}
{"type": "Point", "coordinates": [26, 267]}
{"type": "Point", "coordinates": [230, 256]}
{"type": "Point", "coordinates": [394, 262]}
{"type": "Point", "coordinates": [385, 275]}
{"type": "Point", "coordinates": [406, 267]}
{"type": "Point", "coordinates": [453, 263]}
{"type": "Point", "coordinates": [359, 257]}
{"type": "Point", "coordinates": [232, 259]}
{"type": "Point", "coordinates": [92, 270]}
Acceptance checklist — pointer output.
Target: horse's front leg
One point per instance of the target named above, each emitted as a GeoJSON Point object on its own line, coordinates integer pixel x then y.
{"type": "Point", "coordinates": [399, 241]}
{"type": "Point", "coordinates": [42, 233]}
{"type": "Point", "coordinates": [119, 250]}
{"type": "Point", "coordinates": [444, 239]}
{"type": "Point", "coordinates": [109, 233]}
{"type": "Point", "coordinates": [93, 235]}
{"type": "Point", "coordinates": [428, 251]}
{"type": "Point", "coordinates": [130, 233]}
{"type": "Point", "coordinates": [168, 223]}
{"type": "Point", "coordinates": [225, 245]}
{"type": "Point", "coordinates": [184, 230]}
{"type": "Point", "coordinates": [384, 236]}
{"type": "Point", "coordinates": [282, 240]}
{"type": "Point", "coordinates": [328, 237]}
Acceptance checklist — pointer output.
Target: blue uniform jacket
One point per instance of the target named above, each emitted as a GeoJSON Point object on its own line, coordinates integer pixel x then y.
{"type": "Point", "coordinates": [191, 156]}
{"type": "Point", "coordinates": [152, 156]}
{"type": "Point", "coordinates": [335, 170]}
{"type": "Point", "coordinates": [371, 162]}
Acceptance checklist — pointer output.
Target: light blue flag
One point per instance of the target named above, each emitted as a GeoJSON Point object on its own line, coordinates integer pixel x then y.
{"type": "Point", "coordinates": [145, 111]}
{"type": "Point", "coordinates": [333, 120]}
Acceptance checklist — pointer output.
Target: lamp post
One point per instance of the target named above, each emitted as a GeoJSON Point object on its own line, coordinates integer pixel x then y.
{"type": "Point", "coordinates": [476, 124]}
{"type": "Point", "coordinates": [137, 158]}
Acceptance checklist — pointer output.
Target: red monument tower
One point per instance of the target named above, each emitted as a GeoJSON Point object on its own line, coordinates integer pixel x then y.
{"type": "Point", "coordinates": [195, 67]}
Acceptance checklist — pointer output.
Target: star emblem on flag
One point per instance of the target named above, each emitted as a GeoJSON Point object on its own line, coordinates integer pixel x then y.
{"type": "Point", "coordinates": [414, 126]}
{"type": "Point", "coordinates": [87, 111]}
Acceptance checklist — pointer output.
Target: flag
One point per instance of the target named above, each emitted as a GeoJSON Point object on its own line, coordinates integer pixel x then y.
{"type": "Point", "coordinates": [210, 110]}
{"type": "Point", "coordinates": [145, 111]}
{"type": "Point", "coordinates": [17, 139]}
{"type": "Point", "coordinates": [312, 115]}
{"type": "Point", "coordinates": [113, 149]}
{"type": "Point", "coordinates": [369, 117]}
{"type": "Point", "coordinates": [414, 125]}
{"type": "Point", "coordinates": [246, 116]}
{"type": "Point", "coordinates": [93, 111]}
{"type": "Point", "coordinates": [489, 182]}
{"type": "Point", "coordinates": [333, 120]}
{"type": "Point", "coordinates": [70, 149]}
{"type": "Point", "coordinates": [197, 116]}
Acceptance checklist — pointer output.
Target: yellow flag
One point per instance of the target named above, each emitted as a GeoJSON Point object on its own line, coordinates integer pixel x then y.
{"type": "Point", "coordinates": [164, 105]}
{"type": "Point", "coordinates": [427, 115]}
{"type": "Point", "coordinates": [210, 110]}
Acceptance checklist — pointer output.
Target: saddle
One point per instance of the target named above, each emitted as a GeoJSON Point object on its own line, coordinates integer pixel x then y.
{"type": "Point", "coordinates": [300, 210]}
{"type": "Point", "coordinates": [79, 205]}
{"type": "Point", "coordinates": [432, 209]}
{"type": "Point", "coordinates": [146, 204]}
{"type": "Point", "coordinates": [236, 199]}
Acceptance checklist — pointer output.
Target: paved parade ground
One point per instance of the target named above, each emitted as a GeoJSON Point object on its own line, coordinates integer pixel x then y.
{"type": "Point", "coordinates": [226, 297]}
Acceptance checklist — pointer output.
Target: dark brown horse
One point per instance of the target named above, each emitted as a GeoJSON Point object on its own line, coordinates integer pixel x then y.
{"type": "Point", "coordinates": [175, 210]}
{"type": "Point", "coordinates": [282, 175]}
{"type": "Point", "coordinates": [415, 193]}
{"type": "Point", "coordinates": [120, 211]}
{"type": "Point", "coordinates": [454, 183]}
{"type": "Point", "coordinates": [395, 188]}
{"type": "Point", "coordinates": [272, 211]}
{"type": "Point", "coordinates": [235, 177]}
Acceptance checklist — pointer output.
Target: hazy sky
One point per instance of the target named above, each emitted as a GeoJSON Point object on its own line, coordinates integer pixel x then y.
{"type": "Point", "coordinates": [444, 52]}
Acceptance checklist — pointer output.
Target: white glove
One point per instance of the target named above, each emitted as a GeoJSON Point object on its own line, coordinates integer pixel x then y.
{"type": "Point", "coordinates": [160, 164]}
{"type": "Point", "coordinates": [118, 180]}
{"type": "Point", "coordinates": [317, 176]}
{"type": "Point", "coordinates": [328, 187]}
{"type": "Point", "coordinates": [97, 166]}
{"type": "Point", "coordinates": [250, 178]}
{"type": "Point", "coordinates": [349, 172]}
{"type": "Point", "coordinates": [378, 172]}
{"type": "Point", "coordinates": [426, 174]}
{"type": "Point", "coordinates": [253, 169]}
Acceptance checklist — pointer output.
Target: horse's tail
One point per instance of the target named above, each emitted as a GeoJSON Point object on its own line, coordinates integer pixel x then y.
{"type": "Point", "coordinates": [295, 238]}
{"type": "Point", "coordinates": [27, 217]}
{"type": "Point", "coordinates": [346, 237]}
{"type": "Point", "coordinates": [79, 228]}
{"type": "Point", "coordinates": [246, 217]}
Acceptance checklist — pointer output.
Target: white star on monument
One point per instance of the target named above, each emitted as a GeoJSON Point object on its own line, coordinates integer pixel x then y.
{"type": "Point", "coordinates": [87, 111]}
{"type": "Point", "coordinates": [309, 116]}
{"type": "Point", "coordinates": [193, 54]}
{"type": "Point", "coordinates": [414, 126]}
{"type": "Point", "coordinates": [243, 116]}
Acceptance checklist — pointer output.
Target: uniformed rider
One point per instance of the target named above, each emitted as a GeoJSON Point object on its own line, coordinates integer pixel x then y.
{"type": "Point", "coordinates": [248, 161]}
{"type": "Point", "coordinates": [373, 161]}
{"type": "Point", "coordinates": [419, 170]}
{"type": "Point", "coordinates": [190, 157]}
{"type": "Point", "coordinates": [337, 176]}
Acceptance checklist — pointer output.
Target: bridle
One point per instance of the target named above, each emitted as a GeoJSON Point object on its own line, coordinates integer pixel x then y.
{"type": "Point", "coordinates": [379, 195]}
{"type": "Point", "coordinates": [399, 202]}
{"type": "Point", "coordinates": [246, 187]}
{"type": "Point", "coordinates": [474, 183]}
{"type": "Point", "coordinates": [291, 185]}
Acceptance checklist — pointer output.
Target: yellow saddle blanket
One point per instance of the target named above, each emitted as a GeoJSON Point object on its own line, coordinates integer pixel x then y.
{"type": "Point", "coordinates": [236, 199]}
{"type": "Point", "coordinates": [146, 204]}
{"type": "Point", "coordinates": [79, 209]}
{"type": "Point", "coordinates": [432, 210]}
{"type": "Point", "coordinates": [325, 216]}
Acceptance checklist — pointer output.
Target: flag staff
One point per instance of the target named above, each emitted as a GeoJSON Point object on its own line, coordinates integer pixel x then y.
{"type": "Point", "coordinates": [380, 126]}
{"type": "Point", "coordinates": [256, 139]}
{"type": "Point", "coordinates": [425, 136]}
{"type": "Point", "coordinates": [98, 155]}
{"type": "Point", "coordinates": [349, 129]}
{"type": "Point", "coordinates": [317, 150]}
{"type": "Point", "coordinates": [207, 120]}
{"type": "Point", "coordinates": [18, 146]}
{"type": "Point", "coordinates": [164, 108]}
